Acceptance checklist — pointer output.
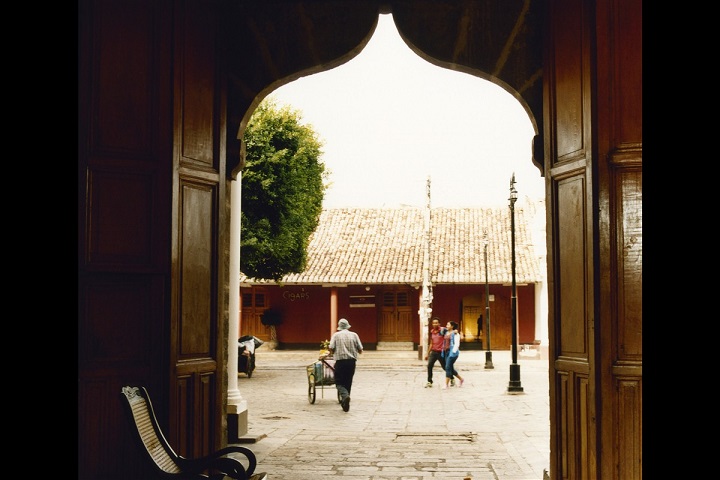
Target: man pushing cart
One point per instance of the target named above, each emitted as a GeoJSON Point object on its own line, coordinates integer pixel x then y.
{"type": "Point", "coordinates": [345, 347]}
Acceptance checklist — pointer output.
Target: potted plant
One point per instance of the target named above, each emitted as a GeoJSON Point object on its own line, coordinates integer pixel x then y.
{"type": "Point", "coordinates": [271, 318]}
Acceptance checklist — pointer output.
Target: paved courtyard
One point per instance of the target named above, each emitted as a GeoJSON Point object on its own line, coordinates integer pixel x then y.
{"type": "Point", "coordinates": [396, 428]}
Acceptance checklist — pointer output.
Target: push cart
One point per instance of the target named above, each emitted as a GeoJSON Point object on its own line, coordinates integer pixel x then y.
{"type": "Point", "coordinates": [321, 373]}
{"type": "Point", "coordinates": [246, 353]}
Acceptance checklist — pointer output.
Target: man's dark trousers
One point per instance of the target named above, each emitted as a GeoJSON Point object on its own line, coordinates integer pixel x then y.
{"type": "Point", "coordinates": [344, 373]}
{"type": "Point", "coordinates": [434, 356]}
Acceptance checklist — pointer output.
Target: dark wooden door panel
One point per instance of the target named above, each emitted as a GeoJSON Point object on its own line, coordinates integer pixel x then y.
{"type": "Point", "coordinates": [252, 325]}
{"type": "Point", "coordinates": [594, 195]}
{"type": "Point", "coordinates": [386, 326]}
{"type": "Point", "coordinates": [124, 160]}
{"type": "Point", "coordinates": [199, 239]}
{"type": "Point", "coordinates": [404, 325]}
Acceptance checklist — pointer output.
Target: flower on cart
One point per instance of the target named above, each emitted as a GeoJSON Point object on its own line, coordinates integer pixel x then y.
{"type": "Point", "coordinates": [325, 348]}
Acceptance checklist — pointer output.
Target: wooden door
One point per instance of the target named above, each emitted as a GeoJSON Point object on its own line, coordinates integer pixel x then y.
{"type": "Point", "coordinates": [593, 150]}
{"type": "Point", "coordinates": [254, 304]}
{"type": "Point", "coordinates": [152, 228]}
{"type": "Point", "coordinates": [396, 317]}
{"type": "Point", "coordinates": [200, 220]}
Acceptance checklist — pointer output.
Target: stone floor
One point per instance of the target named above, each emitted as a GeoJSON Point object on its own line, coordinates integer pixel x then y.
{"type": "Point", "coordinates": [396, 428]}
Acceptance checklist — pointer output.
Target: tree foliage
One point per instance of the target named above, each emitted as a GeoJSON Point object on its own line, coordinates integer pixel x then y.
{"type": "Point", "coordinates": [282, 192]}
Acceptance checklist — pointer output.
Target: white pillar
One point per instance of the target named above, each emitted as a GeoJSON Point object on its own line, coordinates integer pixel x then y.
{"type": "Point", "coordinates": [538, 231]}
{"type": "Point", "coordinates": [333, 310]}
{"type": "Point", "coordinates": [237, 405]}
{"type": "Point", "coordinates": [541, 316]}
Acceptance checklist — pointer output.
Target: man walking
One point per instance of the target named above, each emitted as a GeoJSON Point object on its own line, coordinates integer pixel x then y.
{"type": "Point", "coordinates": [434, 350]}
{"type": "Point", "coordinates": [345, 347]}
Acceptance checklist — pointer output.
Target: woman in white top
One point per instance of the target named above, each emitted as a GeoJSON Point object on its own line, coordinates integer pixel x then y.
{"type": "Point", "coordinates": [451, 353]}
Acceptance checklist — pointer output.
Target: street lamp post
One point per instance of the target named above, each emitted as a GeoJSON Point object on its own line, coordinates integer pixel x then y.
{"type": "Point", "coordinates": [514, 386]}
{"type": "Point", "coordinates": [488, 353]}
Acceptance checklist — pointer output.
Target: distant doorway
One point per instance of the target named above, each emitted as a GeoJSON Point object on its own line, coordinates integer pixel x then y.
{"type": "Point", "coordinates": [472, 307]}
{"type": "Point", "coordinates": [470, 328]}
{"type": "Point", "coordinates": [396, 316]}
{"type": "Point", "coordinates": [254, 303]}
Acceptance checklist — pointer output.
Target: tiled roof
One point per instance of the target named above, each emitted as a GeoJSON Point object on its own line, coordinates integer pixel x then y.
{"type": "Point", "coordinates": [386, 246]}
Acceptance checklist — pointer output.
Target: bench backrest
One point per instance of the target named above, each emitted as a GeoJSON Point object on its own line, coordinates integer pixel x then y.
{"type": "Point", "coordinates": [148, 430]}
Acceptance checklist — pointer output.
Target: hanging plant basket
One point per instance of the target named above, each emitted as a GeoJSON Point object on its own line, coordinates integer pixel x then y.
{"type": "Point", "coordinates": [272, 318]}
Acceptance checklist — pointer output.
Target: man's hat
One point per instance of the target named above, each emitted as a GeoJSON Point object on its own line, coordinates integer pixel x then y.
{"type": "Point", "coordinates": [343, 324]}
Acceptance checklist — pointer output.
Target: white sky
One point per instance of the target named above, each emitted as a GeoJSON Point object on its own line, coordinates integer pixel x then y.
{"type": "Point", "coordinates": [390, 119]}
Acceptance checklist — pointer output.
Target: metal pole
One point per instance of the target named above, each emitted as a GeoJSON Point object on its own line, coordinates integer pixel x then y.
{"type": "Point", "coordinates": [514, 386]}
{"type": "Point", "coordinates": [426, 299]}
{"type": "Point", "coordinates": [488, 353]}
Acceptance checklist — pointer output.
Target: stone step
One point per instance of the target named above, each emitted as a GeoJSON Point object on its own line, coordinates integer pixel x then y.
{"type": "Point", "coordinates": [402, 346]}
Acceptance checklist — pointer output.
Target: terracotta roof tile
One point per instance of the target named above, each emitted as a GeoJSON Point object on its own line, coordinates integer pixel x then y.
{"type": "Point", "coordinates": [386, 246]}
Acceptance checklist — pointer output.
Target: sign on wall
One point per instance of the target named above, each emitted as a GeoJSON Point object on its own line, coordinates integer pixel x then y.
{"type": "Point", "coordinates": [362, 301]}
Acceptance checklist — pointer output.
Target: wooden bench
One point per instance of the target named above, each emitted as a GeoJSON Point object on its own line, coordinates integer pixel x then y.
{"type": "Point", "coordinates": [168, 464]}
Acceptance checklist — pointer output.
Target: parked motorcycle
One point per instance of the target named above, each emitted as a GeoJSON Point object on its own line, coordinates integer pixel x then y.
{"type": "Point", "coordinates": [246, 353]}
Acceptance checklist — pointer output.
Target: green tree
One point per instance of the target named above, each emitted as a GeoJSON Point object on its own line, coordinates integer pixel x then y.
{"type": "Point", "coordinates": [283, 185]}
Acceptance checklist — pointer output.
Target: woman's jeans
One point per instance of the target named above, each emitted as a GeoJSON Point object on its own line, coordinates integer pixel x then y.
{"type": "Point", "coordinates": [450, 371]}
